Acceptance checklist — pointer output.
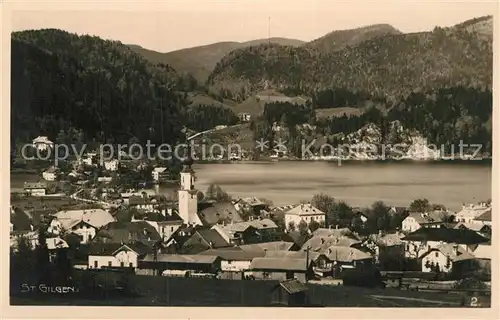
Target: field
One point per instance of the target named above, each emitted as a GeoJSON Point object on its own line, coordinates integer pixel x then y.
{"type": "Point", "coordinates": [163, 291]}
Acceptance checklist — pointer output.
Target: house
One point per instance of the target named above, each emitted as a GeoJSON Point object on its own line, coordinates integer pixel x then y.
{"type": "Point", "coordinates": [415, 221]}
{"type": "Point", "coordinates": [388, 249]}
{"type": "Point", "coordinates": [84, 223]}
{"type": "Point", "coordinates": [279, 269]}
{"type": "Point", "coordinates": [128, 232]}
{"type": "Point", "coordinates": [35, 189]}
{"type": "Point", "coordinates": [477, 226]}
{"type": "Point", "coordinates": [159, 174]}
{"type": "Point", "coordinates": [245, 232]}
{"type": "Point", "coordinates": [141, 203]}
{"type": "Point", "coordinates": [250, 205]}
{"type": "Point", "coordinates": [483, 255]}
{"type": "Point", "coordinates": [446, 258]}
{"type": "Point", "coordinates": [471, 211]}
{"type": "Point", "coordinates": [111, 165]}
{"type": "Point", "coordinates": [116, 255]}
{"type": "Point", "coordinates": [304, 212]}
{"type": "Point", "coordinates": [425, 239]}
{"type": "Point", "coordinates": [42, 143]}
{"type": "Point", "coordinates": [290, 293]}
{"type": "Point", "coordinates": [321, 243]}
{"type": "Point", "coordinates": [176, 241]}
{"type": "Point", "coordinates": [166, 221]}
{"type": "Point", "coordinates": [179, 264]}
{"type": "Point", "coordinates": [53, 245]}
{"type": "Point", "coordinates": [233, 261]}
{"type": "Point", "coordinates": [334, 259]}
{"type": "Point", "coordinates": [484, 218]}
{"type": "Point", "coordinates": [211, 213]}
{"type": "Point", "coordinates": [50, 174]}
{"type": "Point", "coordinates": [204, 239]}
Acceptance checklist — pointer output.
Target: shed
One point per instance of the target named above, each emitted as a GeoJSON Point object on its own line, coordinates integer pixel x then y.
{"type": "Point", "coordinates": [290, 293]}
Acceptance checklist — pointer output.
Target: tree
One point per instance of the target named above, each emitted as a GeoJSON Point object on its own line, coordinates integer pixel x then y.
{"type": "Point", "coordinates": [214, 192]}
{"type": "Point", "coordinates": [200, 196]}
{"type": "Point", "coordinates": [326, 204]}
{"type": "Point", "coordinates": [420, 205]}
{"type": "Point", "coordinates": [314, 225]}
{"type": "Point", "coordinates": [303, 227]}
{"type": "Point", "coordinates": [291, 226]}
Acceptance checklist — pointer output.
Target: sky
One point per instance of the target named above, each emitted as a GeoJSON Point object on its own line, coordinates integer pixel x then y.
{"type": "Point", "coordinates": [172, 25]}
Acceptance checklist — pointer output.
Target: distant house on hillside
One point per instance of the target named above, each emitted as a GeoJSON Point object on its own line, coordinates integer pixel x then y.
{"type": "Point", "coordinates": [42, 143]}
{"type": "Point", "coordinates": [447, 258]}
{"type": "Point", "coordinates": [111, 165]}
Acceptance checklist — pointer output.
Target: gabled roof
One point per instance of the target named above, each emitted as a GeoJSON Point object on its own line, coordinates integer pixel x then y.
{"type": "Point", "coordinates": [346, 254]}
{"type": "Point", "coordinates": [321, 243]}
{"type": "Point", "coordinates": [305, 209]}
{"type": "Point", "coordinates": [282, 254]}
{"type": "Point", "coordinates": [56, 243]}
{"type": "Point", "coordinates": [212, 237]}
{"type": "Point", "coordinates": [20, 219]}
{"type": "Point", "coordinates": [471, 226]}
{"type": "Point", "coordinates": [293, 286]}
{"type": "Point", "coordinates": [325, 232]}
{"type": "Point", "coordinates": [128, 232]}
{"type": "Point", "coordinates": [94, 217]}
{"type": "Point", "coordinates": [483, 251]}
{"type": "Point", "coordinates": [296, 237]}
{"type": "Point", "coordinates": [278, 264]}
{"type": "Point", "coordinates": [485, 216]}
{"type": "Point", "coordinates": [388, 240]}
{"type": "Point", "coordinates": [460, 236]}
{"type": "Point", "coordinates": [428, 218]}
{"type": "Point", "coordinates": [103, 249]}
{"type": "Point", "coordinates": [137, 247]}
{"type": "Point", "coordinates": [449, 250]}
{"type": "Point", "coordinates": [234, 254]}
{"type": "Point", "coordinates": [268, 246]}
{"type": "Point", "coordinates": [182, 258]}
{"type": "Point", "coordinates": [213, 213]}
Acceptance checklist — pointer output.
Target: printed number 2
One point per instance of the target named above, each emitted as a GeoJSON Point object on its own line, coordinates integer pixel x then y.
{"type": "Point", "coordinates": [473, 302]}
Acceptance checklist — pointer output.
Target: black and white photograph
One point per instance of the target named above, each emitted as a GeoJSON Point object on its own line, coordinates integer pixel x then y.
{"type": "Point", "coordinates": [301, 154]}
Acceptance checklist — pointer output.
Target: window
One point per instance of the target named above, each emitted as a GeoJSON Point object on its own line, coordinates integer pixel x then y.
{"type": "Point", "coordinates": [131, 265]}
{"type": "Point", "coordinates": [122, 264]}
{"type": "Point", "coordinates": [109, 263]}
{"type": "Point", "coordinates": [95, 264]}
{"type": "Point", "coordinates": [437, 254]}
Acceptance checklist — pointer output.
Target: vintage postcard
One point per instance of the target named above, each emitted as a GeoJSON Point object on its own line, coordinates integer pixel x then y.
{"type": "Point", "coordinates": [268, 155]}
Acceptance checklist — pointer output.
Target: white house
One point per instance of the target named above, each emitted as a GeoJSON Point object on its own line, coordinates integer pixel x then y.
{"type": "Point", "coordinates": [444, 258]}
{"type": "Point", "coordinates": [304, 212]}
{"type": "Point", "coordinates": [50, 174]}
{"type": "Point", "coordinates": [415, 221]}
{"type": "Point", "coordinates": [159, 174]}
{"type": "Point", "coordinates": [471, 211]}
{"type": "Point", "coordinates": [42, 143]}
{"type": "Point", "coordinates": [116, 255]}
{"type": "Point", "coordinates": [111, 165]}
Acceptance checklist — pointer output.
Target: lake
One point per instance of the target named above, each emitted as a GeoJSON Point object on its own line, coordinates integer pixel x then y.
{"type": "Point", "coordinates": [358, 183]}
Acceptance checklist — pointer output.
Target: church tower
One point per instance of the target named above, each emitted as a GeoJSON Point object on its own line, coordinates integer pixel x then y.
{"type": "Point", "coordinates": [188, 195]}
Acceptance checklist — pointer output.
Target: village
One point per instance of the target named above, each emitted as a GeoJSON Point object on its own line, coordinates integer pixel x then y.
{"type": "Point", "coordinates": [111, 220]}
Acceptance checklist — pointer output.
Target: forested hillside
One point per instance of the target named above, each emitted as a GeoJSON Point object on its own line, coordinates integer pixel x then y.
{"type": "Point", "coordinates": [61, 81]}
{"type": "Point", "coordinates": [391, 66]}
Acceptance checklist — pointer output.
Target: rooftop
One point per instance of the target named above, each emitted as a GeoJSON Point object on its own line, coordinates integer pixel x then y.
{"type": "Point", "coordinates": [234, 255]}
{"type": "Point", "coordinates": [278, 264]}
{"type": "Point", "coordinates": [182, 258]}
{"type": "Point", "coordinates": [460, 236]}
{"type": "Point", "coordinates": [305, 209]}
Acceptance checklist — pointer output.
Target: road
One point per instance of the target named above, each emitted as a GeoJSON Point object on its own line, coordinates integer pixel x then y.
{"type": "Point", "coordinates": [106, 205]}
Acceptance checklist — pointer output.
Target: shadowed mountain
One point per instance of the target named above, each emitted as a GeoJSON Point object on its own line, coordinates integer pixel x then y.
{"type": "Point", "coordinates": [200, 61]}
